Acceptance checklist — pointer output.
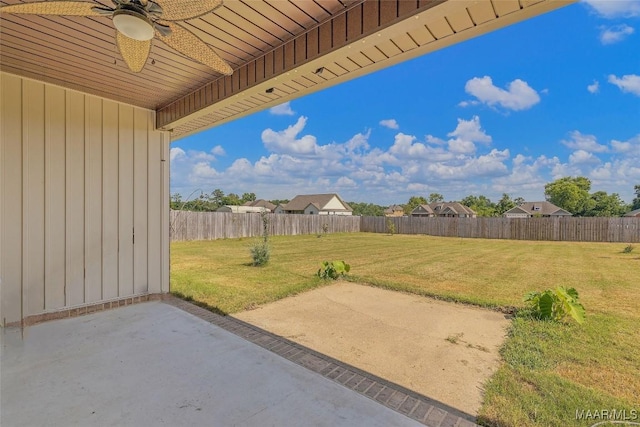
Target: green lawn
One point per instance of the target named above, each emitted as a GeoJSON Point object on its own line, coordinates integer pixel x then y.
{"type": "Point", "coordinates": [550, 370]}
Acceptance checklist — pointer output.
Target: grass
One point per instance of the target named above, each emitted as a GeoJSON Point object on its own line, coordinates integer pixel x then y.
{"type": "Point", "coordinates": [550, 370]}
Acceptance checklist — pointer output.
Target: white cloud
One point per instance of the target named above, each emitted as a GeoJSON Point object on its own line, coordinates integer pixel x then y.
{"type": "Point", "coordinates": [583, 142]}
{"type": "Point", "coordinates": [405, 148]}
{"type": "Point", "coordinates": [594, 87]}
{"type": "Point", "coordinates": [628, 83]}
{"type": "Point", "coordinates": [359, 142]}
{"type": "Point", "coordinates": [630, 148]}
{"type": "Point", "coordinates": [518, 95]}
{"type": "Point", "coordinates": [470, 130]}
{"type": "Point", "coordinates": [346, 182]}
{"type": "Point", "coordinates": [468, 103]}
{"type": "Point", "coordinates": [465, 135]}
{"type": "Point", "coordinates": [218, 151]}
{"type": "Point", "coordinates": [459, 164]}
{"type": "Point", "coordinates": [282, 110]}
{"type": "Point", "coordinates": [390, 123]}
{"type": "Point", "coordinates": [286, 141]}
{"type": "Point", "coordinates": [203, 170]}
{"type": "Point", "coordinates": [489, 165]}
{"type": "Point", "coordinates": [176, 154]}
{"type": "Point", "coordinates": [615, 34]}
{"type": "Point", "coordinates": [582, 156]}
{"type": "Point", "coordinates": [615, 8]}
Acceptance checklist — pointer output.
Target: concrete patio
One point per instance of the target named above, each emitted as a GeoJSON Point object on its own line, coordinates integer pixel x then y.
{"type": "Point", "coordinates": [156, 364]}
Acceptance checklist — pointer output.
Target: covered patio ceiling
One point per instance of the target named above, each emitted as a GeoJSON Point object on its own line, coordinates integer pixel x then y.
{"type": "Point", "coordinates": [279, 50]}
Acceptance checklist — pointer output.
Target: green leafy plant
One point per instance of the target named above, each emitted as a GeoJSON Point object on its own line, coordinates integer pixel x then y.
{"type": "Point", "coordinates": [628, 249]}
{"type": "Point", "coordinates": [556, 304]}
{"type": "Point", "coordinates": [333, 269]}
{"type": "Point", "coordinates": [391, 227]}
{"type": "Point", "coordinates": [261, 251]}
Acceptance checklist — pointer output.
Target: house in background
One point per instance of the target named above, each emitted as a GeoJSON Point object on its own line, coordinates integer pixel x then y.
{"type": "Point", "coordinates": [261, 203]}
{"type": "Point", "coordinates": [241, 209]}
{"type": "Point", "coordinates": [394, 210]}
{"type": "Point", "coordinates": [444, 209]}
{"type": "Point", "coordinates": [423, 211]}
{"type": "Point", "coordinates": [534, 209]}
{"type": "Point", "coordinates": [633, 214]}
{"type": "Point", "coordinates": [255, 206]}
{"type": "Point", "coordinates": [316, 204]}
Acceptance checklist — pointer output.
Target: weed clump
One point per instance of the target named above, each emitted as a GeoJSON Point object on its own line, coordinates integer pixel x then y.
{"type": "Point", "coordinates": [333, 270]}
{"type": "Point", "coordinates": [556, 304]}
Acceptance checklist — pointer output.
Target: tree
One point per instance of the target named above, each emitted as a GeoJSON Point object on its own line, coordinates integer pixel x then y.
{"type": "Point", "coordinates": [519, 201]}
{"type": "Point", "coordinates": [176, 201]}
{"type": "Point", "coordinates": [414, 202]}
{"type": "Point", "coordinates": [571, 194]}
{"type": "Point", "coordinates": [505, 204]}
{"type": "Point", "coordinates": [636, 201]}
{"type": "Point", "coordinates": [607, 205]}
{"type": "Point", "coordinates": [217, 198]}
{"type": "Point", "coordinates": [248, 197]}
{"type": "Point", "coordinates": [481, 205]}
{"type": "Point", "coordinates": [232, 199]}
{"type": "Point", "coordinates": [366, 209]}
{"type": "Point", "coordinates": [436, 198]}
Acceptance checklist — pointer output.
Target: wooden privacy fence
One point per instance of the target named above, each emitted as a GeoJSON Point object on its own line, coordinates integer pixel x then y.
{"type": "Point", "coordinates": [624, 230]}
{"type": "Point", "coordinates": [186, 225]}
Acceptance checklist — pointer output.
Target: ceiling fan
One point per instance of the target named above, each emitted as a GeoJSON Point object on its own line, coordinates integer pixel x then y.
{"type": "Point", "coordinates": [137, 22]}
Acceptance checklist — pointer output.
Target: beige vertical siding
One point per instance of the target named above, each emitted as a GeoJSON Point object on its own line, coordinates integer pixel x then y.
{"type": "Point", "coordinates": [79, 175]}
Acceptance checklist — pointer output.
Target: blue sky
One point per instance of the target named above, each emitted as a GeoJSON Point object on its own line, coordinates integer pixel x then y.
{"type": "Point", "coordinates": [557, 95]}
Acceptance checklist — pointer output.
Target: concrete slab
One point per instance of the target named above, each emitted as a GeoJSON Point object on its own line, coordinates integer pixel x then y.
{"type": "Point", "coordinates": [153, 364]}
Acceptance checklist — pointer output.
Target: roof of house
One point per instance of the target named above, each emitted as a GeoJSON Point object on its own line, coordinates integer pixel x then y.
{"type": "Point", "coordinates": [393, 208]}
{"type": "Point", "coordinates": [240, 209]}
{"type": "Point", "coordinates": [261, 203]}
{"type": "Point", "coordinates": [633, 213]}
{"type": "Point", "coordinates": [423, 208]}
{"type": "Point", "coordinates": [540, 208]}
{"type": "Point", "coordinates": [455, 207]}
{"type": "Point", "coordinates": [300, 202]}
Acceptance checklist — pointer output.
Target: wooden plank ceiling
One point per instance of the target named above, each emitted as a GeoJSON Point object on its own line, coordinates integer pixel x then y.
{"type": "Point", "coordinates": [80, 52]}
{"type": "Point", "coordinates": [279, 50]}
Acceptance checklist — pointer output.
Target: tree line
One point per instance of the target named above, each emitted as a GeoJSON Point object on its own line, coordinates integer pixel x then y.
{"type": "Point", "coordinates": [209, 202]}
{"type": "Point", "coordinates": [572, 194]}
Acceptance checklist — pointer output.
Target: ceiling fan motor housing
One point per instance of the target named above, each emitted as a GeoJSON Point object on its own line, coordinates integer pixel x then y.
{"type": "Point", "coordinates": [133, 23]}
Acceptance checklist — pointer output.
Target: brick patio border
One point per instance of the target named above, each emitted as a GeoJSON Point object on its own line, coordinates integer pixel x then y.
{"type": "Point", "coordinates": [84, 309]}
{"type": "Point", "coordinates": [407, 402]}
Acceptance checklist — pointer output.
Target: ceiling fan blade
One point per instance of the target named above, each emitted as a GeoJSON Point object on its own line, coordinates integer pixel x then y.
{"type": "Point", "coordinates": [134, 52]}
{"type": "Point", "coordinates": [181, 10]}
{"type": "Point", "coordinates": [187, 43]}
{"type": "Point", "coordinates": [67, 8]}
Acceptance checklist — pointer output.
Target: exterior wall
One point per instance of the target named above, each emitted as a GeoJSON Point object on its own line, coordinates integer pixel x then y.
{"type": "Point", "coordinates": [334, 203]}
{"type": "Point", "coordinates": [84, 200]}
{"type": "Point", "coordinates": [311, 210]}
{"type": "Point", "coordinates": [241, 209]}
{"type": "Point", "coordinates": [516, 215]}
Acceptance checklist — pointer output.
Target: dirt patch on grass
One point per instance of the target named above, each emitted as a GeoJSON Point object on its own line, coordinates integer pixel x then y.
{"type": "Point", "coordinates": [443, 350]}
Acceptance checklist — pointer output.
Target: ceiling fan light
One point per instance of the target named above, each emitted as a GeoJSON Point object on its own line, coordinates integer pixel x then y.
{"type": "Point", "coordinates": [133, 25]}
